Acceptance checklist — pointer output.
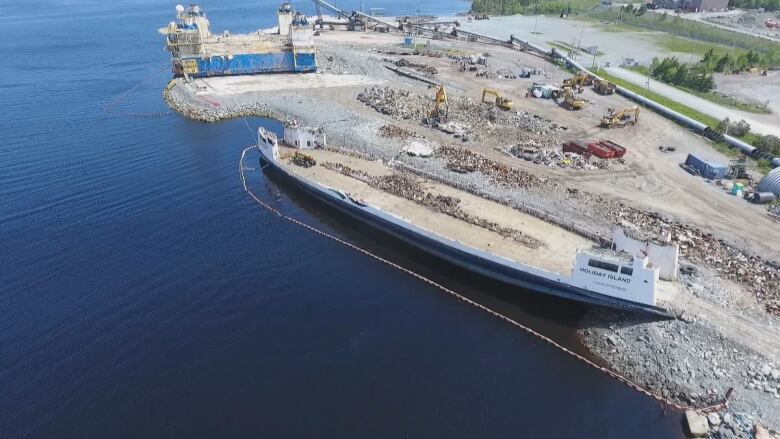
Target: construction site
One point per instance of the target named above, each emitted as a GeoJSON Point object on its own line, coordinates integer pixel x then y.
{"type": "Point", "coordinates": [472, 118]}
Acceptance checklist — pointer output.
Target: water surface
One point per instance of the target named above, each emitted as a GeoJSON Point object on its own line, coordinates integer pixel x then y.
{"type": "Point", "coordinates": [143, 294]}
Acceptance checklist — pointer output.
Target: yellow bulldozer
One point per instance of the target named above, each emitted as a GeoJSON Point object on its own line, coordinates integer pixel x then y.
{"type": "Point", "coordinates": [441, 106]}
{"type": "Point", "coordinates": [604, 87]}
{"type": "Point", "coordinates": [501, 102]}
{"type": "Point", "coordinates": [570, 101]}
{"type": "Point", "coordinates": [620, 118]}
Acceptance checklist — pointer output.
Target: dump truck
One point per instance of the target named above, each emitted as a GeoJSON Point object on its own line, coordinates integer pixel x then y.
{"type": "Point", "coordinates": [604, 87]}
{"type": "Point", "coordinates": [620, 118]}
{"type": "Point", "coordinates": [501, 102]}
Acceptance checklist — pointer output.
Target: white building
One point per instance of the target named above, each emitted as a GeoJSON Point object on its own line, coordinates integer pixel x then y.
{"type": "Point", "coordinates": [304, 137]}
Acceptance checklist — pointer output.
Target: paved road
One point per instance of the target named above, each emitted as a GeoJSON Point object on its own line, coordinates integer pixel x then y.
{"type": "Point", "coordinates": [710, 108]}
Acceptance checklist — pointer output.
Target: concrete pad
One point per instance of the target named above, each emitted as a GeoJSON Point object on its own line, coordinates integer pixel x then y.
{"type": "Point", "coordinates": [233, 85]}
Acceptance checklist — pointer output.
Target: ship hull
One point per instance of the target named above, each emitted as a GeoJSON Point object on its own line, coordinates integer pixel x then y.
{"type": "Point", "coordinates": [246, 64]}
{"type": "Point", "coordinates": [453, 252]}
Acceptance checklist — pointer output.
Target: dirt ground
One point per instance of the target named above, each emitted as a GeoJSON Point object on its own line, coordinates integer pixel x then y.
{"type": "Point", "coordinates": [654, 179]}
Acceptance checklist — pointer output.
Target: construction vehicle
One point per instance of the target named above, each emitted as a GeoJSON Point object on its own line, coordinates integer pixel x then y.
{"type": "Point", "coordinates": [570, 101]}
{"type": "Point", "coordinates": [604, 87]}
{"type": "Point", "coordinates": [501, 102]}
{"type": "Point", "coordinates": [578, 81]}
{"type": "Point", "coordinates": [620, 118]}
{"type": "Point", "coordinates": [441, 106]}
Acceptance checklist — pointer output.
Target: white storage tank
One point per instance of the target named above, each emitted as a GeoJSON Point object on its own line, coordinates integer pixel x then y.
{"type": "Point", "coordinates": [771, 182]}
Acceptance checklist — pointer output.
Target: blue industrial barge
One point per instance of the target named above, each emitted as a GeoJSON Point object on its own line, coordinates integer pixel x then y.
{"type": "Point", "coordinates": [196, 53]}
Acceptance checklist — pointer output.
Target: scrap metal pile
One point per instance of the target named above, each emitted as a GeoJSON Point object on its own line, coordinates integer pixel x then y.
{"type": "Point", "coordinates": [303, 160]}
{"type": "Point", "coordinates": [560, 159]}
{"type": "Point", "coordinates": [409, 188]}
{"type": "Point", "coordinates": [462, 160]}
{"type": "Point", "coordinates": [396, 132]}
{"type": "Point", "coordinates": [423, 68]}
{"type": "Point", "coordinates": [760, 277]}
{"type": "Point", "coordinates": [466, 117]}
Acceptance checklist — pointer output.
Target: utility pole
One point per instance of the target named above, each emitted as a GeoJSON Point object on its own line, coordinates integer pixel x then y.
{"type": "Point", "coordinates": [580, 40]}
{"type": "Point", "coordinates": [536, 18]}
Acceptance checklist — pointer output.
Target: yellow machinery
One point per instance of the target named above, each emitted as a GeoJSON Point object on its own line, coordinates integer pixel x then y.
{"type": "Point", "coordinates": [501, 102]}
{"type": "Point", "coordinates": [441, 106]}
{"type": "Point", "coordinates": [578, 81]}
{"type": "Point", "coordinates": [604, 87]}
{"type": "Point", "coordinates": [570, 101]}
{"type": "Point", "coordinates": [620, 118]}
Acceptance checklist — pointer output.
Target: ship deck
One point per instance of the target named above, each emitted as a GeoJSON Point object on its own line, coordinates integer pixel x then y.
{"type": "Point", "coordinates": [243, 43]}
{"type": "Point", "coordinates": [556, 254]}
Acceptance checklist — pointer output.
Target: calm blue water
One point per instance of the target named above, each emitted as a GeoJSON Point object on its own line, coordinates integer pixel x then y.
{"type": "Point", "coordinates": [143, 294]}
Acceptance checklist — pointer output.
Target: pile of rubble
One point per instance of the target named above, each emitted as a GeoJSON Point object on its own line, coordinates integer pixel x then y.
{"type": "Point", "coordinates": [463, 160]}
{"type": "Point", "coordinates": [303, 160]}
{"type": "Point", "coordinates": [395, 132]}
{"type": "Point", "coordinates": [759, 276]}
{"type": "Point", "coordinates": [556, 158]}
{"type": "Point", "coordinates": [406, 186]}
{"type": "Point", "coordinates": [472, 119]}
{"type": "Point", "coordinates": [424, 68]}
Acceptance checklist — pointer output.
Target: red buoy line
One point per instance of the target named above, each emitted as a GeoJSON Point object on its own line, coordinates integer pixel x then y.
{"type": "Point", "coordinates": [665, 402]}
{"type": "Point", "coordinates": [110, 107]}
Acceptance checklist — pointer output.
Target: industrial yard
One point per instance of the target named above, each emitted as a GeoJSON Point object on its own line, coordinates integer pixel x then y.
{"type": "Point", "coordinates": [463, 119]}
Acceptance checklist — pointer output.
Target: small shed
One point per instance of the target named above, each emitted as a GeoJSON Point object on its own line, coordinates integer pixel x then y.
{"type": "Point", "coordinates": [707, 169]}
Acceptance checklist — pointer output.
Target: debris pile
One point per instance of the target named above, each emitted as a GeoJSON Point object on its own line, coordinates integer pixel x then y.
{"type": "Point", "coordinates": [303, 160]}
{"type": "Point", "coordinates": [557, 158]}
{"type": "Point", "coordinates": [394, 131]}
{"type": "Point", "coordinates": [466, 117]}
{"type": "Point", "coordinates": [463, 161]}
{"type": "Point", "coordinates": [424, 68]}
{"type": "Point", "coordinates": [406, 186]}
{"type": "Point", "coordinates": [759, 276]}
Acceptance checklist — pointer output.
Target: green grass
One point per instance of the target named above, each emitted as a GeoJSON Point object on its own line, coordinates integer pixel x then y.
{"type": "Point", "coordinates": [726, 101]}
{"type": "Point", "coordinates": [696, 36]}
{"type": "Point", "coordinates": [686, 45]}
{"type": "Point", "coordinates": [608, 26]}
{"type": "Point", "coordinates": [663, 100]}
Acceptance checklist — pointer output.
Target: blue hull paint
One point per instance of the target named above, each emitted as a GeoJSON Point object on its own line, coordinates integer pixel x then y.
{"type": "Point", "coordinates": [457, 254]}
{"type": "Point", "coordinates": [245, 64]}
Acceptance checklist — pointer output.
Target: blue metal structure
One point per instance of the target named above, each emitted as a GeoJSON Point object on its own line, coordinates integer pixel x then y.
{"type": "Point", "coordinates": [249, 63]}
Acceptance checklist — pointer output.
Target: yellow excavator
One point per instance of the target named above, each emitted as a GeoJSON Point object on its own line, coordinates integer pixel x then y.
{"type": "Point", "coordinates": [441, 106]}
{"type": "Point", "coordinates": [570, 101]}
{"type": "Point", "coordinates": [501, 102]}
{"type": "Point", "coordinates": [620, 118]}
{"type": "Point", "coordinates": [578, 81]}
